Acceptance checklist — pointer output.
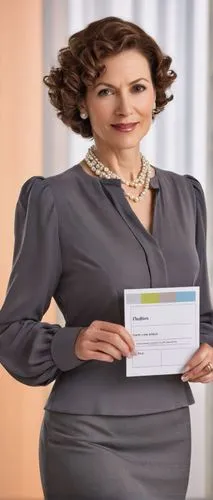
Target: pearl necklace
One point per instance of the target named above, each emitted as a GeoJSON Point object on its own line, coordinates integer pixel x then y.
{"type": "Point", "coordinates": [142, 179]}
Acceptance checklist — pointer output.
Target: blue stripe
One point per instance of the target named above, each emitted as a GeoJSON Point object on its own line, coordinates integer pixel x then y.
{"type": "Point", "coordinates": [185, 296]}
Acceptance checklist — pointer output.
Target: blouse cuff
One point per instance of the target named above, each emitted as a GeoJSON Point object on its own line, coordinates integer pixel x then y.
{"type": "Point", "coordinates": [62, 348]}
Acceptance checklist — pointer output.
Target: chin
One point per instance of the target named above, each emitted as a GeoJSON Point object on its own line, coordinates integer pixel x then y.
{"type": "Point", "coordinates": [126, 142]}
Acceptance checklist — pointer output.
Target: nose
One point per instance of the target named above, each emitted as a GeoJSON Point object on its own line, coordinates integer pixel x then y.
{"type": "Point", "coordinates": [123, 107]}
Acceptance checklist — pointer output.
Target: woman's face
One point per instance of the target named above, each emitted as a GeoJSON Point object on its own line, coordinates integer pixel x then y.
{"type": "Point", "coordinates": [121, 101]}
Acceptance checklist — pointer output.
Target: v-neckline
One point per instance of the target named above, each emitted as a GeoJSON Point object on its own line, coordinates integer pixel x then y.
{"type": "Point", "coordinates": [134, 215]}
{"type": "Point", "coordinates": [127, 213]}
{"type": "Point", "coordinates": [148, 241]}
{"type": "Point", "coordinates": [154, 184]}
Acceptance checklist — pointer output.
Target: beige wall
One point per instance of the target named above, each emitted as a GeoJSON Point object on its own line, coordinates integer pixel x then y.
{"type": "Point", "coordinates": [21, 407]}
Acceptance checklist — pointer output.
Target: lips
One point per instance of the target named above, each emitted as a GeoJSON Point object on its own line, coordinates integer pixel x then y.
{"type": "Point", "coordinates": [125, 127]}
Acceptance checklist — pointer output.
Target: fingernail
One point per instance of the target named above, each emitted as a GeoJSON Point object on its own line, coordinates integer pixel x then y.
{"type": "Point", "coordinates": [184, 378]}
{"type": "Point", "coordinates": [132, 353]}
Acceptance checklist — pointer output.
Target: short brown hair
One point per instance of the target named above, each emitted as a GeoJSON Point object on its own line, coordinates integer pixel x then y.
{"type": "Point", "coordinates": [81, 62]}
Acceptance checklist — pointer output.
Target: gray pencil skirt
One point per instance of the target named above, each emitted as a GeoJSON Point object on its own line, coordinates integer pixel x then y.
{"type": "Point", "coordinates": [144, 457]}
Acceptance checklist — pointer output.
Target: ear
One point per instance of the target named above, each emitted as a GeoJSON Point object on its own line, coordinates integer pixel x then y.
{"type": "Point", "coordinates": [154, 106]}
{"type": "Point", "coordinates": [154, 100]}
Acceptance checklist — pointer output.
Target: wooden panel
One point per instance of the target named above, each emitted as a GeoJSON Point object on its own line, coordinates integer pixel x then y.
{"type": "Point", "coordinates": [20, 158]}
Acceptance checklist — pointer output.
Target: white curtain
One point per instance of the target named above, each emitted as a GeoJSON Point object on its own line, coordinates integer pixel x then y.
{"type": "Point", "coordinates": [177, 141]}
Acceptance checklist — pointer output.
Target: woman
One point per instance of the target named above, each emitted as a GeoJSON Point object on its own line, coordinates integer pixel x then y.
{"type": "Point", "coordinates": [108, 223]}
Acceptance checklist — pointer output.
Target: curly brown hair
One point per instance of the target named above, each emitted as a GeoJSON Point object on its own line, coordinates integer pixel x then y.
{"type": "Point", "coordinates": [81, 63]}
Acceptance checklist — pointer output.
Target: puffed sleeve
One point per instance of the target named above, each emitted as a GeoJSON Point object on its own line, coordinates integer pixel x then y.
{"type": "Point", "coordinates": [206, 311]}
{"type": "Point", "coordinates": [32, 351]}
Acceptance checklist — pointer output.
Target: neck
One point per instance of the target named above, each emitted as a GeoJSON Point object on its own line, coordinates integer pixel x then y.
{"type": "Point", "coordinates": [125, 163]}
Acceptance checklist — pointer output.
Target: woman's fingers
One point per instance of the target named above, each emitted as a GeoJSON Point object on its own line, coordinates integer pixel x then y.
{"type": "Point", "coordinates": [103, 341]}
{"type": "Point", "coordinates": [116, 333]}
{"type": "Point", "coordinates": [100, 356]}
{"type": "Point", "coordinates": [205, 379]}
{"type": "Point", "coordinates": [106, 348]}
{"type": "Point", "coordinates": [195, 372]}
{"type": "Point", "coordinates": [114, 340]}
{"type": "Point", "coordinates": [198, 365]}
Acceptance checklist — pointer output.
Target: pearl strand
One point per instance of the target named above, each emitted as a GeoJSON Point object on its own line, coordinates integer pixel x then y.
{"type": "Point", "coordinates": [100, 170]}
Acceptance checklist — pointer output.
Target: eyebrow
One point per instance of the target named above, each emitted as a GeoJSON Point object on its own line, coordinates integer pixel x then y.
{"type": "Point", "coordinates": [131, 83]}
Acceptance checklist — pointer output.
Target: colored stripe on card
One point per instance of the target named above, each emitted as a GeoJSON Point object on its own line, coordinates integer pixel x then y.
{"type": "Point", "coordinates": [150, 298]}
{"type": "Point", "coordinates": [185, 296]}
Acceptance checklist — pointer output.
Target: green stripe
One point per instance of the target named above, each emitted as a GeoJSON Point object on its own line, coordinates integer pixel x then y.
{"type": "Point", "coordinates": [150, 298]}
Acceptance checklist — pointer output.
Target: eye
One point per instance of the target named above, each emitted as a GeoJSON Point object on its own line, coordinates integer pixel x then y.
{"type": "Point", "coordinates": [138, 87]}
{"type": "Point", "coordinates": [104, 92]}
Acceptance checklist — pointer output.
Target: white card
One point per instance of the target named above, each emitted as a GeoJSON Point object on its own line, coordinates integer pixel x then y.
{"type": "Point", "coordinates": [165, 325]}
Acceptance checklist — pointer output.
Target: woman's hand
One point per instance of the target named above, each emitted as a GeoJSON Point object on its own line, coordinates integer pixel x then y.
{"type": "Point", "coordinates": [200, 366]}
{"type": "Point", "coordinates": [103, 341]}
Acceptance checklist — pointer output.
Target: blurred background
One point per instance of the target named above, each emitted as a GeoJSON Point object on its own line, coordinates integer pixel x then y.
{"type": "Point", "coordinates": [34, 142]}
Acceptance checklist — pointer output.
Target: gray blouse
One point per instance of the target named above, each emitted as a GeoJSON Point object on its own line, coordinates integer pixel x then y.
{"type": "Point", "coordinates": [77, 239]}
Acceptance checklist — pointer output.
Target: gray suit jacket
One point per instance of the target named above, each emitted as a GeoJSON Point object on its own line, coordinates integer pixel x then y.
{"type": "Point", "coordinates": [77, 239]}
